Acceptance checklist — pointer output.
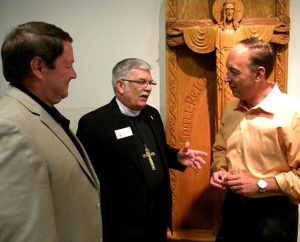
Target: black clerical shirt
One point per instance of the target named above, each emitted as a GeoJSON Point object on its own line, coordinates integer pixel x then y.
{"type": "Point", "coordinates": [144, 136]}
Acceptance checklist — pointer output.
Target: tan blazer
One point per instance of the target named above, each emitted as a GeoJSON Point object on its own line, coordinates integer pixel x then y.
{"type": "Point", "coordinates": [48, 191]}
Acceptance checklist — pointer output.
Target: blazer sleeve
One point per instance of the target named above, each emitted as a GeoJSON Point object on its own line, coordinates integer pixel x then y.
{"type": "Point", "coordinates": [26, 208]}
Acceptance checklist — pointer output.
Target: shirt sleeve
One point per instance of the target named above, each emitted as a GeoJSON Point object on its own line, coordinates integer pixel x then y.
{"type": "Point", "coordinates": [289, 182]}
{"type": "Point", "coordinates": [219, 151]}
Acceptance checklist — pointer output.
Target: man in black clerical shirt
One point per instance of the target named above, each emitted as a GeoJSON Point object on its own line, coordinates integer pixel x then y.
{"type": "Point", "coordinates": [126, 143]}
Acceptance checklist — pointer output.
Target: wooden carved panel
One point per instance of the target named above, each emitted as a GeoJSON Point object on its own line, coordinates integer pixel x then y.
{"type": "Point", "coordinates": [197, 49]}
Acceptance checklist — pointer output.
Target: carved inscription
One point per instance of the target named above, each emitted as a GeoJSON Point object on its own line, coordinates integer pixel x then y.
{"type": "Point", "coordinates": [190, 104]}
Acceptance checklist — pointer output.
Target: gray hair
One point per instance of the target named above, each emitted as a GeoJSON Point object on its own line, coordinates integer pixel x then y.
{"type": "Point", "coordinates": [122, 68]}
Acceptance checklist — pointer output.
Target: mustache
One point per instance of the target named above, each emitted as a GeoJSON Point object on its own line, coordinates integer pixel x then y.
{"type": "Point", "coordinates": [144, 94]}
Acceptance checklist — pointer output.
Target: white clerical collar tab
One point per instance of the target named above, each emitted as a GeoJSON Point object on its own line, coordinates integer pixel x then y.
{"type": "Point", "coordinates": [127, 111]}
{"type": "Point", "coordinates": [123, 133]}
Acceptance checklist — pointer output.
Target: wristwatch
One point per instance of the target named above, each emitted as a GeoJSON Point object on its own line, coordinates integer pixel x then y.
{"type": "Point", "coordinates": [262, 184]}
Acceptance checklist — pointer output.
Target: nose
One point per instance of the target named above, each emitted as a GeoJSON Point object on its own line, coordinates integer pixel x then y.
{"type": "Point", "coordinates": [227, 78]}
{"type": "Point", "coordinates": [148, 86]}
{"type": "Point", "coordinates": [73, 74]}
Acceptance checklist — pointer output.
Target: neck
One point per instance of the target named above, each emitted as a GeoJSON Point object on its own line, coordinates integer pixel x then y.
{"type": "Point", "coordinates": [37, 90]}
{"type": "Point", "coordinates": [260, 95]}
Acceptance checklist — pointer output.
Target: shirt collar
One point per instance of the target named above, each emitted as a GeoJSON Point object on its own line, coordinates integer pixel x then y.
{"type": "Point", "coordinates": [268, 104]}
{"type": "Point", "coordinates": [127, 111]}
{"type": "Point", "coordinates": [58, 117]}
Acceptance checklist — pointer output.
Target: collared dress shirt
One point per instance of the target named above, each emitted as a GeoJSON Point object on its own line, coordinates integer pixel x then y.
{"type": "Point", "coordinates": [263, 141]}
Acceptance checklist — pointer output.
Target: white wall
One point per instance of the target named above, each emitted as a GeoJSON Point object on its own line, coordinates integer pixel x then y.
{"type": "Point", "coordinates": [294, 58]}
{"type": "Point", "coordinates": [294, 50]}
{"type": "Point", "coordinates": [106, 31]}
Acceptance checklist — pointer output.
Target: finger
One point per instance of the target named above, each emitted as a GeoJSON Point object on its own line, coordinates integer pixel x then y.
{"type": "Point", "coordinates": [200, 160]}
{"type": "Point", "coordinates": [195, 168]}
{"type": "Point", "coordinates": [203, 154]}
{"type": "Point", "coordinates": [186, 147]}
{"type": "Point", "coordinates": [233, 177]}
{"type": "Point", "coordinates": [217, 184]}
{"type": "Point", "coordinates": [197, 165]}
{"type": "Point", "coordinates": [199, 153]}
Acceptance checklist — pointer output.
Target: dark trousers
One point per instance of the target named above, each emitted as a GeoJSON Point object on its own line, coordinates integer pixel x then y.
{"type": "Point", "coordinates": [269, 219]}
{"type": "Point", "coordinates": [152, 228]}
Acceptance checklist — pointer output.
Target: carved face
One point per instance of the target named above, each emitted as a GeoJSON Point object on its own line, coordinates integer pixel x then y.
{"type": "Point", "coordinates": [229, 12]}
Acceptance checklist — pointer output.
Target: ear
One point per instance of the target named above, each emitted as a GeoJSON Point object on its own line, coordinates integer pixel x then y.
{"type": "Point", "coordinates": [260, 73]}
{"type": "Point", "coordinates": [36, 65]}
{"type": "Point", "coordinates": [120, 86]}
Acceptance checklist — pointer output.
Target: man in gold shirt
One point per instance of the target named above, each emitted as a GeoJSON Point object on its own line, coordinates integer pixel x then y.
{"type": "Point", "coordinates": [256, 153]}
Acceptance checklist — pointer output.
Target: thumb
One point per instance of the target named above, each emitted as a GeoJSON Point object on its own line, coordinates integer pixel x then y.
{"type": "Point", "coordinates": [186, 147]}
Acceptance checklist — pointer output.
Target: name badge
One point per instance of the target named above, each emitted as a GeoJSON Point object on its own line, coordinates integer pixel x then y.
{"type": "Point", "coordinates": [122, 133]}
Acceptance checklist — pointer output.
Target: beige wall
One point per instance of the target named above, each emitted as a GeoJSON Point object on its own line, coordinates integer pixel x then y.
{"type": "Point", "coordinates": [294, 56]}
{"type": "Point", "coordinates": [106, 31]}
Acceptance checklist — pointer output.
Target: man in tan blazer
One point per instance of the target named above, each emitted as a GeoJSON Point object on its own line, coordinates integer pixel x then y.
{"type": "Point", "coordinates": [48, 188]}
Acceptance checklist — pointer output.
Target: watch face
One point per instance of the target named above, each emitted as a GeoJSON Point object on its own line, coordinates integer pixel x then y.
{"type": "Point", "coordinates": [262, 184]}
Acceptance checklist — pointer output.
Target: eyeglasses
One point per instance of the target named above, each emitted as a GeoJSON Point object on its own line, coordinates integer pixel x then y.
{"type": "Point", "coordinates": [142, 82]}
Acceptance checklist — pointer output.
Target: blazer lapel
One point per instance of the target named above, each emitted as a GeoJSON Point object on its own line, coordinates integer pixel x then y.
{"type": "Point", "coordinates": [65, 139]}
{"type": "Point", "coordinates": [47, 120]}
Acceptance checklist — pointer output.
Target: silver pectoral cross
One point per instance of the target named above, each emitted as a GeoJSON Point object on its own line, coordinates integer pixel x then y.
{"type": "Point", "coordinates": [148, 154]}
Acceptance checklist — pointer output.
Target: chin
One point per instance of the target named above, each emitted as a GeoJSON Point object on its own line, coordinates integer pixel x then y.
{"type": "Point", "coordinates": [61, 97]}
{"type": "Point", "coordinates": [65, 94]}
{"type": "Point", "coordinates": [141, 107]}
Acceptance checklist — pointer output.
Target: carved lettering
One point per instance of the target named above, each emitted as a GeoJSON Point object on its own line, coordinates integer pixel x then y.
{"type": "Point", "coordinates": [190, 103]}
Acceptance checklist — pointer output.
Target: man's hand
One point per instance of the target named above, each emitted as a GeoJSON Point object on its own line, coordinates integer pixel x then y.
{"type": "Point", "coordinates": [191, 158]}
{"type": "Point", "coordinates": [217, 179]}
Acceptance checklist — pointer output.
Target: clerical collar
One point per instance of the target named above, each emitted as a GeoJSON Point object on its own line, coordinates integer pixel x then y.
{"type": "Point", "coordinates": [58, 117]}
{"type": "Point", "coordinates": [127, 111]}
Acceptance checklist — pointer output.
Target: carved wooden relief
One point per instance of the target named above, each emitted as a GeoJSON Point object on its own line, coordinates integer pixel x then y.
{"type": "Point", "coordinates": [199, 37]}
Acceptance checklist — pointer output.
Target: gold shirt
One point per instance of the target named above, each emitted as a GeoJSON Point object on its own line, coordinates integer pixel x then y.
{"type": "Point", "coordinates": [262, 142]}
